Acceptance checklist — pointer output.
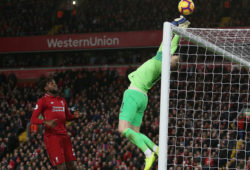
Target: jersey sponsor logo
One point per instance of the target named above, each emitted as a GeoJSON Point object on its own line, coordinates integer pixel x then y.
{"type": "Point", "coordinates": [36, 107]}
{"type": "Point", "coordinates": [51, 102]}
{"type": "Point", "coordinates": [58, 109]}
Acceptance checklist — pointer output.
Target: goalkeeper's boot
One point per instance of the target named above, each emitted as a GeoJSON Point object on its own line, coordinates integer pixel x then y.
{"type": "Point", "coordinates": [149, 161]}
{"type": "Point", "coordinates": [157, 151]}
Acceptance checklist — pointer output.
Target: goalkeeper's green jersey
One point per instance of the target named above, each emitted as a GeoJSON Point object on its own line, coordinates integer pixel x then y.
{"type": "Point", "coordinates": [150, 72]}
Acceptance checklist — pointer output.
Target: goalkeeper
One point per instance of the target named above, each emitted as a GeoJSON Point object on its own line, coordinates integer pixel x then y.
{"type": "Point", "coordinates": [135, 98]}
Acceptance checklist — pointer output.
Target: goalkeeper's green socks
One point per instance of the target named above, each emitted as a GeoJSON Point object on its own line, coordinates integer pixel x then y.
{"type": "Point", "coordinates": [138, 140]}
{"type": "Point", "coordinates": [149, 142]}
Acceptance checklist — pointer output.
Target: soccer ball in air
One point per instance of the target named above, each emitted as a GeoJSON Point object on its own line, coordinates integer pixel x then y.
{"type": "Point", "coordinates": [186, 7]}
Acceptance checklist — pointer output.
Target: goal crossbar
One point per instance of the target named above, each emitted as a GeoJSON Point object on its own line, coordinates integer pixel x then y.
{"type": "Point", "coordinates": [210, 46]}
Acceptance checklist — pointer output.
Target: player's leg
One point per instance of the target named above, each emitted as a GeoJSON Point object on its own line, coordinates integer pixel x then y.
{"type": "Point", "coordinates": [147, 140]}
{"type": "Point", "coordinates": [136, 128]}
{"type": "Point", "coordinates": [55, 151]}
{"type": "Point", "coordinates": [123, 125]}
{"type": "Point", "coordinates": [127, 112]}
{"type": "Point", "coordinates": [124, 128]}
{"type": "Point", "coordinates": [150, 156]}
{"type": "Point", "coordinates": [130, 119]}
{"type": "Point", "coordinates": [136, 124]}
{"type": "Point", "coordinates": [134, 137]}
{"type": "Point", "coordinates": [69, 153]}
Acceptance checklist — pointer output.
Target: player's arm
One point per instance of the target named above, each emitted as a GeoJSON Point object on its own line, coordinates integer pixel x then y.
{"type": "Point", "coordinates": [181, 22]}
{"type": "Point", "coordinates": [36, 113]}
{"type": "Point", "coordinates": [174, 44]}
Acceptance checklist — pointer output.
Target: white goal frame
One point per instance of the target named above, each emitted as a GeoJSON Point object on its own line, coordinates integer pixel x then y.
{"type": "Point", "coordinates": [168, 31]}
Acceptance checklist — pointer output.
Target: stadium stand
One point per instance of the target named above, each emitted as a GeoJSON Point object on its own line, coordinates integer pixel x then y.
{"type": "Point", "coordinates": [96, 142]}
{"type": "Point", "coordinates": [76, 58]}
{"type": "Point", "coordinates": [24, 18]}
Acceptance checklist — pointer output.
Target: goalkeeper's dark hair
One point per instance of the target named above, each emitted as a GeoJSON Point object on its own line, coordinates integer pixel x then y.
{"type": "Point", "coordinates": [45, 81]}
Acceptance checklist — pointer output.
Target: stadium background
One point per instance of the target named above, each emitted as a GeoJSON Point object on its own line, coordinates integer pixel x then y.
{"type": "Point", "coordinates": [92, 79]}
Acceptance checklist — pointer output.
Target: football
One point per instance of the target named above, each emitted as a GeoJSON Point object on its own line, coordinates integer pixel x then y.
{"type": "Point", "coordinates": [186, 7]}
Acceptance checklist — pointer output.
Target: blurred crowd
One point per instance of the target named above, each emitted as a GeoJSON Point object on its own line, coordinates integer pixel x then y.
{"type": "Point", "coordinates": [16, 106]}
{"type": "Point", "coordinates": [24, 18]}
{"type": "Point", "coordinates": [206, 127]}
{"type": "Point", "coordinates": [76, 58]}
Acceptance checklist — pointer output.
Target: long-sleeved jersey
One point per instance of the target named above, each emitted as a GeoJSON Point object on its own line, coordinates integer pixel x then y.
{"type": "Point", "coordinates": [51, 107]}
{"type": "Point", "coordinates": [150, 72]}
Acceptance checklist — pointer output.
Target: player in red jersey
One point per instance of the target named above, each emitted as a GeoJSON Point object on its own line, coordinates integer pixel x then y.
{"type": "Point", "coordinates": [55, 111]}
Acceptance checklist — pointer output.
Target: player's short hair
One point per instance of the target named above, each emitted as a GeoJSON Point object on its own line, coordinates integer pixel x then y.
{"type": "Point", "coordinates": [45, 81]}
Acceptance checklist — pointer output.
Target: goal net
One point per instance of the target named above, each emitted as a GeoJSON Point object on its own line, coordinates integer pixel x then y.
{"type": "Point", "coordinates": [205, 102]}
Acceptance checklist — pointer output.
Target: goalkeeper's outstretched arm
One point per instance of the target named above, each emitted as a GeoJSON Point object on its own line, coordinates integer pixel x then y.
{"type": "Point", "coordinates": [182, 23]}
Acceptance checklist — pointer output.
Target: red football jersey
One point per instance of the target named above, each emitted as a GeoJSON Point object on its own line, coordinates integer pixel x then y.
{"type": "Point", "coordinates": [52, 108]}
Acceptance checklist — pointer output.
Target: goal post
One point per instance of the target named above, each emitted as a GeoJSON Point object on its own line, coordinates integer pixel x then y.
{"type": "Point", "coordinates": [164, 109]}
{"type": "Point", "coordinates": [201, 120]}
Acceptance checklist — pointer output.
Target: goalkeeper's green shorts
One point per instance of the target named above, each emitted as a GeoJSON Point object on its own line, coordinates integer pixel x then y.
{"type": "Point", "coordinates": [133, 106]}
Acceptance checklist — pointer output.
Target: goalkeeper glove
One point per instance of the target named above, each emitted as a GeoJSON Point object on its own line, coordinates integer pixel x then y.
{"type": "Point", "coordinates": [181, 22]}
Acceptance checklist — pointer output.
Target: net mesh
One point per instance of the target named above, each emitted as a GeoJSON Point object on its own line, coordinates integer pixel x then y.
{"type": "Point", "coordinates": [235, 41]}
{"type": "Point", "coordinates": [209, 127]}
